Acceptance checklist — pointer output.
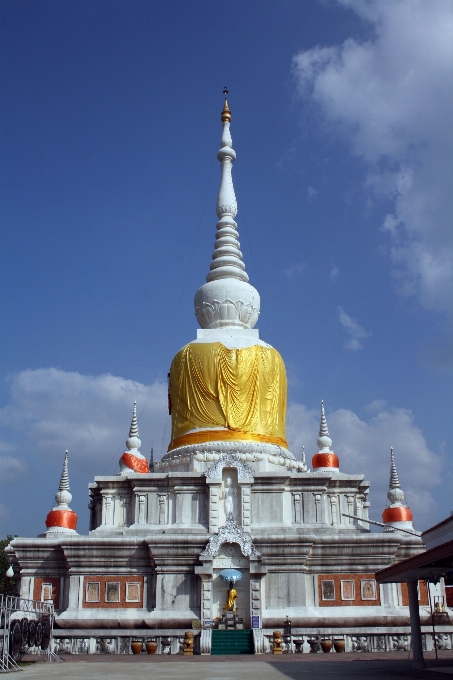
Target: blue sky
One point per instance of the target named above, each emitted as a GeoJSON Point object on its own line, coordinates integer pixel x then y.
{"type": "Point", "coordinates": [110, 124]}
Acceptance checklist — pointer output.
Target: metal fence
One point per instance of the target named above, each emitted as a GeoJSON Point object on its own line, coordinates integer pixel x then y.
{"type": "Point", "coordinates": [25, 625]}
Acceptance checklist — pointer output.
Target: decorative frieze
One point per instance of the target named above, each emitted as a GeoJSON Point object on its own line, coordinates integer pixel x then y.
{"type": "Point", "coordinates": [214, 471]}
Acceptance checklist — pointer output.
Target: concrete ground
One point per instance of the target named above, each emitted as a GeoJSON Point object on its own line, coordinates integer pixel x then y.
{"type": "Point", "coordinates": [392, 666]}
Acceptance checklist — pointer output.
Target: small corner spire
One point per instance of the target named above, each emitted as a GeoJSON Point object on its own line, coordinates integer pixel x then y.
{"type": "Point", "coordinates": [396, 514]}
{"type": "Point", "coordinates": [325, 460]}
{"type": "Point", "coordinates": [61, 519]}
{"type": "Point", "coordinates": [151, 460]}
{"type": "Point", "coordinates": [132, 460]}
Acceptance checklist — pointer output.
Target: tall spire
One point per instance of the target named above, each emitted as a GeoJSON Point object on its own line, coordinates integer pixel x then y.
{"type": "Point", "coordinates": [397, 514]}
{"type": "Point", "coordinates": [61, 519]}
{"type": "Point", "coordinates": [325, 460]}
{"type": "Point", "coordinates": [227, 299]}
{"type": "Point", "coordinates": [132, 460]}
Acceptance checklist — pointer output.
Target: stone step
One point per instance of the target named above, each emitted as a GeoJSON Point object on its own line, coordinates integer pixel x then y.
{"type": "Point", "coordinates": [232, 642]}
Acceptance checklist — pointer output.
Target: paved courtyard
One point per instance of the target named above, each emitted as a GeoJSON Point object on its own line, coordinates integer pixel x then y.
{"type": "Point", "coordinates": [373, 666]}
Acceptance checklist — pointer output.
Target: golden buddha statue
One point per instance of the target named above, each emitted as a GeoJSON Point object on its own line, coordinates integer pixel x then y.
{"type": "Point", "coordinates": [232, 596]}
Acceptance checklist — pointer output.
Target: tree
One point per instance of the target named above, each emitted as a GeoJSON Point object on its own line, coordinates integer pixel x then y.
{"type": "Point", "coordinates": [7, 585]}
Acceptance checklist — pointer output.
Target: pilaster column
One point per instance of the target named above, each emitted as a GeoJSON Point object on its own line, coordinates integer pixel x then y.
{"type": "Point", "coordinates": [107, 508]}
{"type": "Point", "coordinates": [206, 597]}
{"type": "Point", "coordinates": [162, 498]}
{"type": "Point", "coordinates": [75, 592]}
{"type": "Point", "coordinates": [245, 505]}
{"type": "Point", "coordinates": [350, 502]}
{"type": "Point", "coordinates": [334, 510]}
{"type": "Point", "coordinates": [297, 513]}
{"type": "Point", "coordinates": [318, 508]}
{"type": "Point", "coordinates": [141, 509]}
{"type": "Point", "coordinates": [214, 492]}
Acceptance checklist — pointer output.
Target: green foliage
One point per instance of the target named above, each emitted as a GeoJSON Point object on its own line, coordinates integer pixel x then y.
{"type": "Point", "coordinates": [7, 585]}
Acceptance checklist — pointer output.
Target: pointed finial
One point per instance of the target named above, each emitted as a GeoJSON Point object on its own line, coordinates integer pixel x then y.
{"type": "Point", "coordinates": [323, 431]}
{"type": "Point", "coordinates": [133, 432]}
{"type": "Point", "coordinates": [303, 454]}
{"type": "Point", "coordinates": [64, 481]}
{"type": "Point", "coordinates": [395, 493]}
{"type": "Point", "coordinates": [63, 497]}
{"type": "Point", "coordinates": [226, 113]}
{"type": "Point", "coordinates": [151, 460]}
{"type": "Point", "coordinates": [394, 482]}
{"type": "Point", "coordinates": [324, 441]}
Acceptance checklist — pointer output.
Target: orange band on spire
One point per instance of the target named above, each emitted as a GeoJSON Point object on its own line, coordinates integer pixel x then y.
{"type": "Point", "coordinates": [399, 514]}
{"type": "Point", "coordinates": [134, 463]}
{"type": "Point", "coordinates": [323, 460]}
{"type": "Point", "coordinates": [62, 518]}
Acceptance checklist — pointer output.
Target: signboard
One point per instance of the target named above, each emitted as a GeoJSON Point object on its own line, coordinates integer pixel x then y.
{"type": "Point", "coordinates": [208, 623]}
{"type": "Point", "coordinates": [256, 622]}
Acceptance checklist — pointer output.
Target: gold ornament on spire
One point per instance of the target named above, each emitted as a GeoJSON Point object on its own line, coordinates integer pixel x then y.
{"type": "Point", "coordinates": [226, 113]}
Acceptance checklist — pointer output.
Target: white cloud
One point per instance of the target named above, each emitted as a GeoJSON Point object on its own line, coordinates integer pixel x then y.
{"type": "Point", "coordinates": [356, 331]}
{"type": "Point", "coordinates": [295, 270]}
{"type": "Point", "coordinates": [58, 410]}
{"type": "Point", "coordinates": [312, 193]}
{"type": "Point", "coordinates": [334, 273]}
{"type": "Point", "coordinates": [12, 469]}
{"type": "Point", "coordinates": [376, 405]}
{"type": "Point", "coordinates": [392, 99]}
{"type": "Point", "coordinates": [364, 448]}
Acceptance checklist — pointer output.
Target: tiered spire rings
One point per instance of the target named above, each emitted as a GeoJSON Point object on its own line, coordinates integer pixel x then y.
{"type": "Point", "coordinates": [132, 461]}
{"type": "Point", "coordinates": [61, 519]}
{"type": "Point", "coordinates": [227, 299]}
{"type": "Point", "coordinates": [325, 460]}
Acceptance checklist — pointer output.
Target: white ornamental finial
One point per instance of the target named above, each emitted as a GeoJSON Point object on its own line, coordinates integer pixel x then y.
{"type": "Point", "coordinates": [63, 497]}
{"type": "Point", "coordinates": [395, 493]}
{"type": "Point", "coordinates": [304, 464]}
{"type": "Point", "coordinates": [133, 443]}
{"type": "Point", "coordinates": [324, 441]}
{"type": "Point", "coordinates": [227, 300]}
{"type": "Point", "coordinates": [133, 431]}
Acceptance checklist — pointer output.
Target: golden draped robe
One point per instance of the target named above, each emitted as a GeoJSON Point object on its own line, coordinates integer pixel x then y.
{"type": "Point", "coordinates": [239, 393]}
